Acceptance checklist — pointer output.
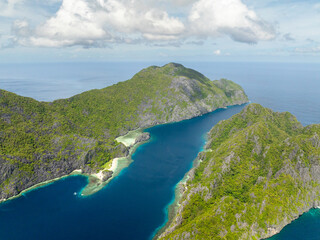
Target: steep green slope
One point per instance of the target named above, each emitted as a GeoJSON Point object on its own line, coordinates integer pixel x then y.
{"type": "Point", "coordinates": [40, 141]}
{"type": "Point", "coordinates": [260, 170]}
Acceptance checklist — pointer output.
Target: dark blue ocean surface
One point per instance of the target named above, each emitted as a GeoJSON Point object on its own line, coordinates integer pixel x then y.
{"type": "Point", "coordinates": [306, 227]}
{"type": "Point", "coordinates": [292, 87]}
{"type": "Point", "coordinates": [133, 205]}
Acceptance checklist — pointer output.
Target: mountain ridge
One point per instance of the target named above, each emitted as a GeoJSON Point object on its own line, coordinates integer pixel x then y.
{"type": "Point", "coordinates": [40, 141]}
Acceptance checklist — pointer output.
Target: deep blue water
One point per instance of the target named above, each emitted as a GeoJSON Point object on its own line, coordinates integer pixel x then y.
{"type": "Point", "coordinates": [292, 87]}
{"type": "Point", "coordinates": [133, 205]}
{"type": "Point", "coordinates": [306, 227]}
{"type": "Point", "coordinates": [130, 207]}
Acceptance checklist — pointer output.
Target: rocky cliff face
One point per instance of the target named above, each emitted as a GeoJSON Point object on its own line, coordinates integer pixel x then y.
{"type": "Point", "coordinates": [188, 97]}
{"type": "Point", "coordinates": [260, 171]}
{"type": "Point", "coordinates": [41, 141]}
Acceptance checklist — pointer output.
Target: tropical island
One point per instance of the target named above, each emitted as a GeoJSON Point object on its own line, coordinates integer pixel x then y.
{"type": "Point", "coordinates": [88, 133]}
{"type": "Point", "coordinates": [259, 171]}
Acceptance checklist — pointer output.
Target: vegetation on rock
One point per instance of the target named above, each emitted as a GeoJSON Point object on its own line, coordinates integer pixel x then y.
{"type": "Point", "coordinates": [40, 141]}
{"type": "Point", "coordinates": [260, 171]}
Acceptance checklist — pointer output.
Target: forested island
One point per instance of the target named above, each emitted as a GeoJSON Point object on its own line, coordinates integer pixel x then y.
{"type": "Point", "coordinates": [259, 171]}
{"type": "Point", "coordinates": [43, 141]}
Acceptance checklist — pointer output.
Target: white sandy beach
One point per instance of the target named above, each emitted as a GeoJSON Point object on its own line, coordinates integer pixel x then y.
{"type": "Point", "coordinates": [130, 138]}
{"type": "Point", "coordinates": [117, 165]}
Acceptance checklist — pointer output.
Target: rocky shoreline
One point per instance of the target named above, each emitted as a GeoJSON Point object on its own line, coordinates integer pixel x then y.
{"type": "Point", "coordinates": [175, 208]}
{"type": "Point", "coordinates": [96, 181]}
{"type": "Point", "coordinates": [281, 193]}
{"type": "Point", "coordinates": [41, 141]}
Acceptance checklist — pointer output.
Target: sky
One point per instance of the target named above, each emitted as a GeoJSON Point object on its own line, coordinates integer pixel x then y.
{"type": "Point", "coordinates": [159, 30]}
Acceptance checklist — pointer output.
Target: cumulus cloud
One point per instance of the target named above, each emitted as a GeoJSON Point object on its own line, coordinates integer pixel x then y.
{"type": "Point", "coordinates": [86, 22]}
{"type": "Point", "coordinates": [75, 23]}
{"type": "Point", "coordinates": [96, 23]}
{"type": "Point", "coordinates": [228, 17]}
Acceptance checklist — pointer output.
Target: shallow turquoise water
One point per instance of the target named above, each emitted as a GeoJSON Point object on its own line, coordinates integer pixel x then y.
{"type": "Point", "coordinates": [133, 205]}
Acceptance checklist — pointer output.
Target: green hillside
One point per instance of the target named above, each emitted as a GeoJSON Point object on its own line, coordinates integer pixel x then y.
{"type": "Point", "coordinates": [260, 170]}
{"type": "Point", "coordinates": [40, 141]}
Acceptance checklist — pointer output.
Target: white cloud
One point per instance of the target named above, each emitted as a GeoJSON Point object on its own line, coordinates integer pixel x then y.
{"type": "Point", "coordinates": [74, 23]}
{"type": "Point", "coordinates": [88, 22]}
{"type": "Point", "coordinates": [308, 50]}
{"type": "Point", "coordinates": [228, 17]}
{"type": "Point", "coordinates": [100, 22]}
{"type": "Point", "coordinates": [152, 23]}
{"type": "Point", "coordinates": [217, 52]}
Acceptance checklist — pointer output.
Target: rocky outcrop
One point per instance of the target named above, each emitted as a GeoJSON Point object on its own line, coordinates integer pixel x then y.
{"type": "Point", "coordinates": [187, 98]}
{"type": "Point", "coordinates": [142, 138]}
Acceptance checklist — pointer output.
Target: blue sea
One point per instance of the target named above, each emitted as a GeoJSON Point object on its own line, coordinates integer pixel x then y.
{"type": "Point", "coordinates": [135, 203]}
